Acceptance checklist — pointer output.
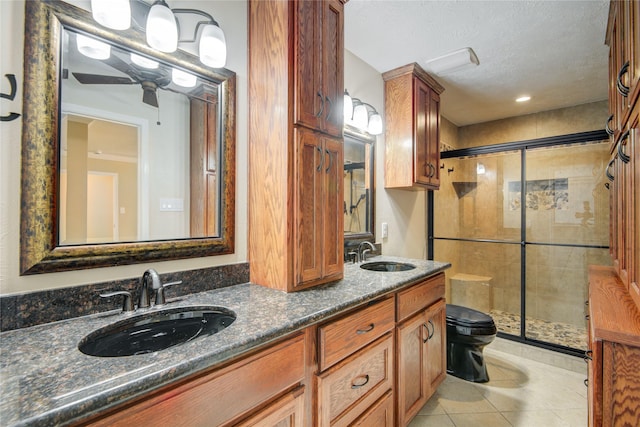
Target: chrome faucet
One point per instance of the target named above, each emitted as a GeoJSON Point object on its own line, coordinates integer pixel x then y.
{"type": "Point", "coordinates": [143, 301]}
{"type": "Point", "coordinates": [362, 252]}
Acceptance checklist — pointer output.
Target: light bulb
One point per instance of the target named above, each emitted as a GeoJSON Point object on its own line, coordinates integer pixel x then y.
{"type": "Point", "coordinates": [114, 14]}
{"type": "Point", "coordinates": [360, 117]}
{"type": "Point", "coordinates": [375, 124]}
{"type": "Point", "coordinates": [213, 46]}
{"type": "Point", "coordinates": [182, 78]}
{"type": "Point", "coordinates": [92, 48]}
{"type": "Point", "coordinates": [144, 62]}
{"type": "Point", "coordinates": [162, 29]}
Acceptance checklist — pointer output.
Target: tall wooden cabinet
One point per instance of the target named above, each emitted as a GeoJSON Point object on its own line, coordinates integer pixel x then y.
{"type": "Point", "coordinates": [412, 113]}
{"type": "Point", "coordinates": [614, 292]}
{"type": "Point", "coordinates": [296, 52]}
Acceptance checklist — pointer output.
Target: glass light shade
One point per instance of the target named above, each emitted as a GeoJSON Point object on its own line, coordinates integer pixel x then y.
{"type": "Point", "coordinates": [92, 48]}
{"type": "Point", "coordinates": [162, 29]}
{"type": "Point", "coordinates": [213, 46]}
{"type": "Point", "coordinates": [114, 14]}
{"type": "Point", "coordinates": [375, 124]}
{"type": "Point", "coordinates": [144, 62]}
{"type": "Point", "coordinates": [360, 117]}
{"type": "Point", "coordinates": [348, 106]}
{"type": "Point", "coordinates": [182, 78]}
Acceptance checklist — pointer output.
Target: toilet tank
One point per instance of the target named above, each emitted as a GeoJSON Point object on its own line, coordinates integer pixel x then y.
{"type": "Point", "coordinates": [470, 290]}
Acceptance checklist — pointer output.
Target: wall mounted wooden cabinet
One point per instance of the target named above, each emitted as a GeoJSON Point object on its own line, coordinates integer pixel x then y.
{"type": "Point", "coordinates": [412, 123]}
{"type": "Point", "coordinates": [296, 52]}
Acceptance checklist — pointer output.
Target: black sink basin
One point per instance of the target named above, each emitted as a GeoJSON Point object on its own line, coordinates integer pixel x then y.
{"type": "Point", "coordinates": [156, 330]}
{"type": "Point", "coordinates": [387, 266]}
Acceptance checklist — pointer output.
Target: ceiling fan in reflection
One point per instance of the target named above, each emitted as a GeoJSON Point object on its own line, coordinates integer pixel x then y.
{"type": "Point", "coordinates": [149, 79]}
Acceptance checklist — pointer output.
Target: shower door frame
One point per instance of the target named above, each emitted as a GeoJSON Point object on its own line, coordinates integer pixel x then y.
{"type": "Point", "coordinates": [522, 147]}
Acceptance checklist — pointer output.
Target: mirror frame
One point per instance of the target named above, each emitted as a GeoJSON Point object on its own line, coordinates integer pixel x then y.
{"type": "Point", "coordinates": [370, 142]}
{"type": "Point", "coordinates": [39, 253]}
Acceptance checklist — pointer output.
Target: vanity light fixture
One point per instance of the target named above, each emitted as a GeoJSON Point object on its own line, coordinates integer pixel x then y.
{"type": "Point", "coordinates": [144, 62]}
{"type": "Point", "coordinates": [524, 98]}
{"type": "Point", "coordinates": [182, 78]}
{"type": "Point", "coordinates": [162, 28]}
{"type": "Point", "coordinates": [361, 115]}
{"type": "Point", "coordinates": [453, 61]}
{"type": "Point", "coordinates": [92, 48]}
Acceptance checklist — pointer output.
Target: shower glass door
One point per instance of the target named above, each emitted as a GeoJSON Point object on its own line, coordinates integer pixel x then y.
{"type": "Point", "coordinates": [567, 229]}
{"type": "Point", "coordinates": [520, 224]}
{"type": "Point", "coordinates": [477, 226]}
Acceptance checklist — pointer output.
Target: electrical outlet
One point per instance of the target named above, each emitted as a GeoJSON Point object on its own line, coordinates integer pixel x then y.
{"type": "Point", "coordinates": [385, 230]}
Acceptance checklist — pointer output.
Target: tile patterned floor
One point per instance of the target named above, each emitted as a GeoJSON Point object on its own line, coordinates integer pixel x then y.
{"type": "Point", "coordinates": [520, 393]}
{"type": "Point", "coordinates": [542, 330]}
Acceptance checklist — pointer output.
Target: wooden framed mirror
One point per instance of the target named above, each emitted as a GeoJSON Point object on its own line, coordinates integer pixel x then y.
{"type": "Point", "coordinates": [359, 191]}
{"type": "Point", "coordinates": [56, 203]}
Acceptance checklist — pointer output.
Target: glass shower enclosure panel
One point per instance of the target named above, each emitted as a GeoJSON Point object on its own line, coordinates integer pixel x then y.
{"type": "Point", "coordinates": [567, 229]}
{"type": "Point", "coordinates": [478, 229]}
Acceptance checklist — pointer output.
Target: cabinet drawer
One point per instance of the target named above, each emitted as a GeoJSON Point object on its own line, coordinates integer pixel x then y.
{"type": "Point", "coordinates": [379, 415]}
{"type": "Point", "coordinates": [218, 397]}
{"type": "Point", "coordinates": [346, 335]}
{"type": "Point", "coordinates": [346, 390]}
{"type": "Point", "coordinates": [420, 296]}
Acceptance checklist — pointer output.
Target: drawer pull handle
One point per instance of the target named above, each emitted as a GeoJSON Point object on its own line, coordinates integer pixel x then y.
{"type": "Point", "coordinates": [607, 128]}
{"type": "Point", "coordinates": [368, 329]}
{"type": "Point", "coordinates": [588, 355]}
{"type": "Point", "coordinates": [319, 167]}
{"type": "Point", "coordinates": [610, 177]}
{"type": "Point", "coordinates": [319, 113]}
{"type": "Point", "coordinates": [586, 382]}
{"type": "Point", "coordinates": [355, 385]}
{"type": "Point", "coordinates": [623, 141]}
{"type": "Point", "coordinates": [622, 88]}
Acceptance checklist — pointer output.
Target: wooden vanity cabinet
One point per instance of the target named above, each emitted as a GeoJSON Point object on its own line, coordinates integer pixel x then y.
{"type": "Point", "coordinates": [296, 224]}
{"type": "Point", "coordinates": [263, 389]}
{"type": "Point", "coordinates": [356, 367]}
{"type": "Point", "coordinates": [614, 351]}
{"type": "Point", "coordinates": [412, 113]}
{"type": "Point", "coordinates": [420, 346]}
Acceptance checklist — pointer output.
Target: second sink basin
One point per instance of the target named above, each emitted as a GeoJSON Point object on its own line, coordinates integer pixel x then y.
{"type": "Point", "coordinates": [387, 266]}
{"type": "Point", "coordinates": [156, 330]}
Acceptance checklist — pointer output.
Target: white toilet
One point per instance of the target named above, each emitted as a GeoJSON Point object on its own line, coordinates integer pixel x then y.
{"type": "Point", "coordinates": [470, 290]}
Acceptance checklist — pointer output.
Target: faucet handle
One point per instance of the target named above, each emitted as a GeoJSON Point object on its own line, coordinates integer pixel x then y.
{"type": "Point", "coordinates": [127, 303]}
{"type": "Point", "coordinates": [353, 255]}
{"type": "Point", "coordinates": [160, 299]}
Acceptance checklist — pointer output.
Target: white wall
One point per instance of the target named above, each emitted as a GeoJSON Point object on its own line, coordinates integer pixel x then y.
{"type": "Point", "coordinates": [404, 211]}
{"type": "Point", "coordinates": [232, 16]}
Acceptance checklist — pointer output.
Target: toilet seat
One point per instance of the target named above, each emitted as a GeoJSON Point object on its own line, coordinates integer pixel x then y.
{"type": "Point", "coordinates": [469, 322]}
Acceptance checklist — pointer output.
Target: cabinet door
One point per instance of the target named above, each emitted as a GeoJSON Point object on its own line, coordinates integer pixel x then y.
{"type": "Point", "coordinates": [288, 411]}
{"type": "Point", "coordinates": [308, 230]}
{"type": "Point", "coordinates": [309, 102]}
{"type": "Point", "coordinates": [433, 139]}
{"type": "Point", "coordinates": [421, 347]}
{"type": "Point", "coordinates": [333, 248]}
{"type": "Point", "coordinates": [333, 58]}
{"type": "Point", "coordinates": [421, 170]}
{"type": "Point", "coordinates": [379, 415]}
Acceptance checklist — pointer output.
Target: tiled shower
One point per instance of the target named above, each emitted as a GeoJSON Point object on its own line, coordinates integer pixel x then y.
{"type": "Point", "coordinates": [522, 256]}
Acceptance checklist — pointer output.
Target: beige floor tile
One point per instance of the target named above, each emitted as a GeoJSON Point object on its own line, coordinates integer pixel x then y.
{"type": "Point", "coordinates": [458, 396]}
{"type": "Point", "coordinates": [493, 419]}
{"type": "Point", "coordinates": [535, 419]}
{"type": "Point", "coordinates": [433, 406]}
{"type": "Point", "coordinates": [574, 417]}
{"type": "Point", "coordinates": [431, 421]}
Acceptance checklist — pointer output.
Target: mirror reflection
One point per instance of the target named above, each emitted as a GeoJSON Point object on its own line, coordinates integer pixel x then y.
{"type": "Point", "coordinates": [358, 184]}
{"type": "Point", "coordinates": [131, 128]}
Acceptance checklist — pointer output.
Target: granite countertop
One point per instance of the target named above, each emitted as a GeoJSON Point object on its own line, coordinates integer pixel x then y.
{"type": "Point", "coordinates": [46, 380]}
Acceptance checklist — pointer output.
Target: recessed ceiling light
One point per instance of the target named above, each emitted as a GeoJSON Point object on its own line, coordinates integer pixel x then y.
{"type": "Point", "coordinates": [523, 98]}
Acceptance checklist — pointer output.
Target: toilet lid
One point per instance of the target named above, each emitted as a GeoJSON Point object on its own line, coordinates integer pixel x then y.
{"type": "Point", "coordinates": [465, 316]}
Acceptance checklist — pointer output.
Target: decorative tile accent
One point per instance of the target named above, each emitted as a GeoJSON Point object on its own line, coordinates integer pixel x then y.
{"type": "Point", "coordinates": [35, 308]}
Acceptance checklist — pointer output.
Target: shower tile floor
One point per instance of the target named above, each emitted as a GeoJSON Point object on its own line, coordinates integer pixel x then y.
{"type": "Point", "coordinates": [542, 330]}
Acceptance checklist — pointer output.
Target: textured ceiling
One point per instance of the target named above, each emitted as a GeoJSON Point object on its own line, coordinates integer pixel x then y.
{"type": "Point", "coordinates": [553, 51]}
